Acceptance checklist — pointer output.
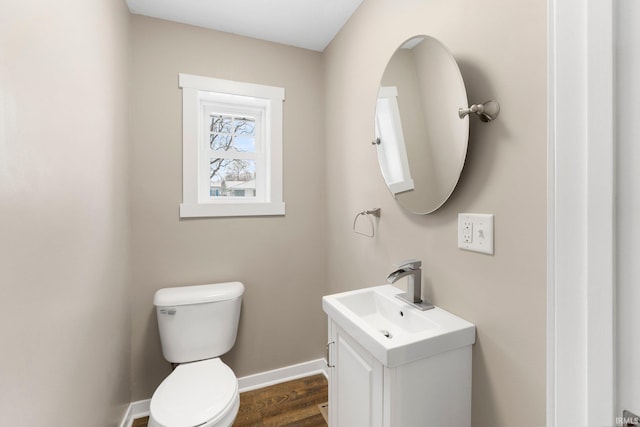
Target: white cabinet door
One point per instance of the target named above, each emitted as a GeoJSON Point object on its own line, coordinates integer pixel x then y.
{"type": "Point", "coordinates": [355, 383]}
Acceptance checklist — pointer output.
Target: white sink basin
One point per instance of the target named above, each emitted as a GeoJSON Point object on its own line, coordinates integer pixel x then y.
{"type": "Point", "coordinates": [394, 331]}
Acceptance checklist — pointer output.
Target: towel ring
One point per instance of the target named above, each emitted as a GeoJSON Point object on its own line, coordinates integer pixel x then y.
{"type": "Point", "coordinates": [373, 212]}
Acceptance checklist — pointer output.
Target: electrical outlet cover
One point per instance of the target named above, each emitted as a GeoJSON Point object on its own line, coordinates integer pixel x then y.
{"type": "Point", "coordinates": [475, 232]}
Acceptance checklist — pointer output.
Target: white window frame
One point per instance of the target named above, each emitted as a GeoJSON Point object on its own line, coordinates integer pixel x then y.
{"type": "Point", "coordinates": [392, 150]}
{"type": "Point", "coordinates": [265, 104]}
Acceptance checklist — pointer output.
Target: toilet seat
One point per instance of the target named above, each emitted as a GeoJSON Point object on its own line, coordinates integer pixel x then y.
{"type": "Point", "coordinates": [203, 393]}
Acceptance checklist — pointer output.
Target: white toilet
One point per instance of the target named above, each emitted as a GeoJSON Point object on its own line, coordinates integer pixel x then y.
{"type": "Point", "coordinates": [197, 324]}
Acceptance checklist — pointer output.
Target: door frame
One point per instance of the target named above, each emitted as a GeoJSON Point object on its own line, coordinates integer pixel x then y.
{"type": "Point", "coordinates": [580, 214]}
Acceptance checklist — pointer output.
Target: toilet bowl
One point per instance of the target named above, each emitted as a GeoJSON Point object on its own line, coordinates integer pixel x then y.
{"type": "Point", "coordinates": [203, 394]}
{"type": "Point", "coordinates": [197, 324]}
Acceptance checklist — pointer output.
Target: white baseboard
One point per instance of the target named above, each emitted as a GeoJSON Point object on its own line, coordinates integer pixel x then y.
{"type": "Point", "coordinates": [137, 409]}
{"type": "Point", "coordinates": [250, 382]}
{"type": "Point", "coordinates": [127, 419]}
{"type": "Point", "coordinates": [288, 373]}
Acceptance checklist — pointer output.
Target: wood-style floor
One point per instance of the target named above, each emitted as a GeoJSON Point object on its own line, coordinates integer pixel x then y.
{"type": "Point", "coordinates": [291, 404]}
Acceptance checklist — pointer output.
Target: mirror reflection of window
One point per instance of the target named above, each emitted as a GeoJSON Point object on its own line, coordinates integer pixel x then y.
{"type": "Point", "coordinates": [392, 151]}
{"type": "Point", "coordinates": [429, 138]}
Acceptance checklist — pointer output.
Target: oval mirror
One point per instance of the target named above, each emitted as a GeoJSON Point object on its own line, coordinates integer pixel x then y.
{"type": "Point", "coordinates": [421, 139]}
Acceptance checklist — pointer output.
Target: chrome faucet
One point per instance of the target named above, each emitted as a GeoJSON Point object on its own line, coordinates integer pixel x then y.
{"type": "Point", "coordinates": [410, 268]}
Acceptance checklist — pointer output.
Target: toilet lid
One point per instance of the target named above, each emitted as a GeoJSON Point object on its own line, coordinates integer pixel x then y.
{"type": "Point", "coordinates": [194, 393]}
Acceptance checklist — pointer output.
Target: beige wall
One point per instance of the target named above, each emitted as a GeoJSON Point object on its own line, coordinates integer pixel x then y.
{"type": "Point", "coordinates": [501, 49]}
{"type": "Point", "coordinates": [281, 260]}
{"type": "Point", "coordinates": [70, 343]}
{"type": "Point", "coordinates": [64, 213]}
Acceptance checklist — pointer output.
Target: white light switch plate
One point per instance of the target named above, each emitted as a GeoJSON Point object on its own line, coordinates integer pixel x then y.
{"type": "Point", "coordinates": [475, 232]}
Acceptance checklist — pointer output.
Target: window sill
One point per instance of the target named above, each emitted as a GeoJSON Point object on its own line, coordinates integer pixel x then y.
{"type": "Point", "coordinates": [204, 210]}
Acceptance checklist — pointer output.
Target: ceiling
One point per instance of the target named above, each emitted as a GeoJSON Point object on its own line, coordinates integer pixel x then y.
{"type": "Point", "coordinates": [310, 24]}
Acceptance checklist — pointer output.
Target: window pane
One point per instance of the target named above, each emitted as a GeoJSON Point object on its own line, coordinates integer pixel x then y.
{"type": "Point", "coordinates": [245, 144]}
{"type": "Point", "coordinates": [232, 178]}
{"type": "Point", "coordinates": [228, 133]}
{"type": "Point", "coordinates": [220, 123]}
{"type": "Point", "coordinates": [220, 141]}
{"type": "Point", "coordinates": [245, 126]}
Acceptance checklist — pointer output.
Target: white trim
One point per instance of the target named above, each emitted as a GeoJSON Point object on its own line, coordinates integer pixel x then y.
{"type": "Point", "coordinates": [127, 420]}
{"type": "Point", "coordinates": [580, 279]}
{"type": "Point", "coordinates": [281, 375]}
{"type": "Point", "coordinates": [259, 113]}
{"type": "Point", "coordinates": [136, 410]}
{"type": "Point", "coordinates": [566, 204]}
{"type": "Point", "coordinates": [140, 408]}
{"type": "Point", "coordinates": [190, 122]}
{"type": "Point", "coordinates": [600, 215]}
{"type": "Point", "coordinates": [551, 230]}
{"type": "Point", "coordinates": [392, 150]}
{"type": "Point", "coordinates": [231, 87]}
{"type": "Point", "coordinates": [269, 99]}
{"type": "Point", "coordinates": [231, 209]}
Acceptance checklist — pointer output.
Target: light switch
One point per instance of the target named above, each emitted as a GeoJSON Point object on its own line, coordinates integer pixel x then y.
{"type": "Point", "coordinates": [475, 232]}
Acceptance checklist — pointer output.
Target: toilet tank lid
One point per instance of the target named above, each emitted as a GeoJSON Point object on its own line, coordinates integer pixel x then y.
{"type": "Point", "coordinates": [185, 295]}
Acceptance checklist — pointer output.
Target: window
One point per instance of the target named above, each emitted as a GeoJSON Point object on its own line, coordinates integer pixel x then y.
{"type": "Point", "coordinates": [232, 148]}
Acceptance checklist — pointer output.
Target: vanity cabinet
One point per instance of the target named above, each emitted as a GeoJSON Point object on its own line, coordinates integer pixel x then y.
{"type": "Point", "coordinates": [430, 392]}
{"type": "Point", "coordinates": [355, 382]}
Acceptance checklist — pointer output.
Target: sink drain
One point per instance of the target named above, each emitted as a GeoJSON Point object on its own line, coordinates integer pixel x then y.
{"type": "Point", "coordinates": [386, 333]}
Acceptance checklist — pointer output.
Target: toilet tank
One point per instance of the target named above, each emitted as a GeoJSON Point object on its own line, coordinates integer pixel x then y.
{"type": "Point", "coordinates": [198, 322]}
